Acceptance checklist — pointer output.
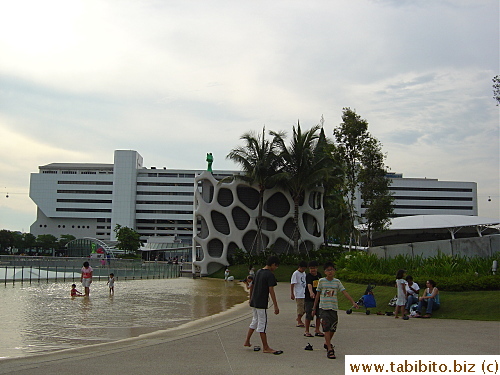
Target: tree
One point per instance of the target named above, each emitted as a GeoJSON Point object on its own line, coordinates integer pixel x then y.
{"type": "Point", "coordinates": [29, 241]}
{"type": "Point", "coordinates": [304, 166]}
{"type": "Point", "coordinates": [46, 241]}
{"type": "Point", "coordinates": [374, 188]}
{"type": "Point", "coordinates": [128, 238]}
{"type": "Point", "coordinates": [259, 163]}
{"type": "Point", "coordinates": [333, 199]}
{"type": "Point", "coordinates": [496, 89]}
{"type": "Point", "coordinates": [6, 240]}
{"type": "Point", "coordinates": [362, 157]}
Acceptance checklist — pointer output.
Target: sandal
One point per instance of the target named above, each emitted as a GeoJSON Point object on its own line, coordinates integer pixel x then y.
{"type": "Point", "coordinates": [331, 354]}
{"type": "Point", "coordinates": [307, 334]}
{"type": "Point", "coordinates": [319, 334]}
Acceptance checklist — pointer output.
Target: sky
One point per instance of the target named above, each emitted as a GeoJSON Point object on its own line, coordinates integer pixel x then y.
{"type": "Point", "coordinates": [174, 80]}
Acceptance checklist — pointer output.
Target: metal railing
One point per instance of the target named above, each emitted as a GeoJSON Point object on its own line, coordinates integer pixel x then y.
{"type": "Point", "coordinates": [36, 269]}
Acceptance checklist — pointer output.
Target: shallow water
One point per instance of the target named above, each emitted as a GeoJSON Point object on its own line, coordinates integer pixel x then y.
{"type": "Point", "coordinates": [43, 317]}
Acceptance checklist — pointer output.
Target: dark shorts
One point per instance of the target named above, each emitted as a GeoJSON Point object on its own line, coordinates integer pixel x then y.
{"type": "Point", "coordinates": [309, 308]}
{"type": "Point", "coordinates": [329, 320]}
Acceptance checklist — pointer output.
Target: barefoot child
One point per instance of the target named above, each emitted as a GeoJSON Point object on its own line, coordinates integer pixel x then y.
{"type": "Point", "coordinates": [74, 292]}
{"type": "Point", "coordinates": [327, 292]}
{"type": "Point", "coordinates": [263, 287]}
{"type": "Point", "coordinates": [401, 285]}
{"type": "Point", "coordinates": [111, 283]}
{"type": "Point", "coordinates": [86, 277]}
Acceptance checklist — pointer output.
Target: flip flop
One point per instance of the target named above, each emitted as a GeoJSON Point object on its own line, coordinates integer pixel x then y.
{"type": "Point", "coordinates": [256, 348]}
{"type": "Point", "coordinates": [300, 325]}
{"type": "Point", "coordinates": [278, 352]}
{"type": "Point", "coordinates": [319, 334]}
{"type": "Point", "coordinates": [307, 334]}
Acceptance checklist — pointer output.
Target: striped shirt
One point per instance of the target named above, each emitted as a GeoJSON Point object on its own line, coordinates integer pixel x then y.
{"type": "Point", "coordinates": [328, 292]}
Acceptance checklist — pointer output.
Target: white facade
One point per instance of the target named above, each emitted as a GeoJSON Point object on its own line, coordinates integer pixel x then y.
{"type": "Point", "coordinates": [88, 200]}
{"type": "Point", "coordinates": [425, 196]}
{"type": "Point", "coordinates": [228, 214]}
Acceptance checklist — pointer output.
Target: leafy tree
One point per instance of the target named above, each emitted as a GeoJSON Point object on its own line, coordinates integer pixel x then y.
{"type": "Point", "coordinates": [259, 164]}
{"type": "Point", "coordinates": [128, 238]}
{"type": "Point", "coordinates": [303, 166]}
{"type": "Point", "coordinates": [374, 188]}
{"type": "Point", "coordinates": [363, 159]}
{"type": "Point", "coordinates": [333, 202]}
{"type": "Point", "coordinates": [6, 240]}
{"type": "Point", "coordinates": [46, 241]}
{"type": "Point", "coordinates": [496, 89]}
{"type": "Point", "coordinates": [18, 242]}
{"type": "Point", "coordinates": [29, 241]}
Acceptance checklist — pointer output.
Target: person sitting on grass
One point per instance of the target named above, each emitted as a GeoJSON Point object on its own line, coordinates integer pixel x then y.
{"type": "Point", "coordinates": [430, 300]}
{"type": "Point", "coordinates": [327, 292]}
{"type": "Point", "coordinates": [412, 290]}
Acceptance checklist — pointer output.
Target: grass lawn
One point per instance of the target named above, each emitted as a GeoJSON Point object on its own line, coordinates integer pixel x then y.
{"type": "Point", "coordinates": [473, 305]}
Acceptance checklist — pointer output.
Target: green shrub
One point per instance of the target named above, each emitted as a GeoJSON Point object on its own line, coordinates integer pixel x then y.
{"type": "Point", "coordinates": [457, 283]}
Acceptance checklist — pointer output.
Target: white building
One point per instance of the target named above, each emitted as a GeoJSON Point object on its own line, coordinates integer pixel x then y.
{"type": "Point", "coordinates": [88, 200]}
{"type": "Point", "coordinates": [426, 196]}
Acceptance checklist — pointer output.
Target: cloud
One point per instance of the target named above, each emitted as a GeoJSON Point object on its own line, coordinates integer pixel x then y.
{"type": "Point", "coordinates": [175, 80]}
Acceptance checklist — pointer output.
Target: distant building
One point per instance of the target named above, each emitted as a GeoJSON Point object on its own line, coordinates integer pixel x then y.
{"type": "Point", "coordinates": [88, 200]}
{"type": "Point", "coordinates": [427, 196]}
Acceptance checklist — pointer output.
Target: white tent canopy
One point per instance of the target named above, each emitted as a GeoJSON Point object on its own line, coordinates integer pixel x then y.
{"type": "Point", "coordinates": [439, 221]}
{"type": "Point", "coordinates": [431, 223]}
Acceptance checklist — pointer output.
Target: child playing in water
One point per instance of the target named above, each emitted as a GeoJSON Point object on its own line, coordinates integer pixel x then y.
{"type": "Point", "coordinates": [111, 283]}
{"type": "Point", "coordinates": [74, 292]}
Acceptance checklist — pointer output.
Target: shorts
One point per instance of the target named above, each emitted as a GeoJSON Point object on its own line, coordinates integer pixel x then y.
{"type": "Point", "coordinates": [86, 282]}
{"type": "Point", "coordinates": [259, 320]}
{"type": "Point", "coordinates": [309, 308]}
{"type": "Point", "coordinates": [300, 306]}
{"type": "Point", "coordinates": [329, 320]}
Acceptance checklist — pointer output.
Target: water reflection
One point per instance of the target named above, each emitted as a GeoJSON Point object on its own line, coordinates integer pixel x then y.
{"type": "Point", "coordinates": [43, 317]}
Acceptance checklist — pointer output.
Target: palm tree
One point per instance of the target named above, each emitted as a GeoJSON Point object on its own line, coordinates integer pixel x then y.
{"type": "Point", "coordinates": [304, 165]}
{"type": "Point", "coordinates": [259, 163]}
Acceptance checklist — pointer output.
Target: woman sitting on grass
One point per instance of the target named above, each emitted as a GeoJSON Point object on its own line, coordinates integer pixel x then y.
{"type": "Point", "coordinates": [430, 299]}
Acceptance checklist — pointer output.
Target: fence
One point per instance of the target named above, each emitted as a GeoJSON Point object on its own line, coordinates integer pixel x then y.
{"type": "Point", "coordinates": [37, 269]}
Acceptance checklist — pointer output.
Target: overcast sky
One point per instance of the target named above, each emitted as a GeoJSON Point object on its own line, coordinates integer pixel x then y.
{"type": "Point", "coordinates": [177, 79]}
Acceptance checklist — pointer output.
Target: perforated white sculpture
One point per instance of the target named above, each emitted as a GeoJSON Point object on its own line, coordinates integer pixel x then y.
{"type": "Point", "coordinates": [228, 213]}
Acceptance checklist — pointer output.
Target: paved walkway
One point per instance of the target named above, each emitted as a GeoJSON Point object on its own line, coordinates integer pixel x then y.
{"type": "Point", "coordinates": [214, 345]}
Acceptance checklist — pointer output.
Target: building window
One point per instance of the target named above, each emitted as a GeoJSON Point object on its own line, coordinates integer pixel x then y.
{"type": "Point", "coordinates": [84, 201]}
{"type": "Point", "coordinates": [85, 182]}
{"type": "Point", "coordinates": [64, 209]}
{"type": "Point", "coordinates": [454, 190]}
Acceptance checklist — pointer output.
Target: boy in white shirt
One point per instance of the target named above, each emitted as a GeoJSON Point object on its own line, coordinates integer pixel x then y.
{"type": "Point", "coordinates": [298, 291]}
